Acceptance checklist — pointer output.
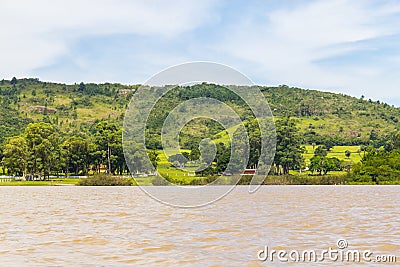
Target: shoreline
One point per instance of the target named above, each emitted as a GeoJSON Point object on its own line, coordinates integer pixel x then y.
{"type": "Point", "coordinates": [5, 184]}
{"type": "Point", "coordinates": [202, 181]}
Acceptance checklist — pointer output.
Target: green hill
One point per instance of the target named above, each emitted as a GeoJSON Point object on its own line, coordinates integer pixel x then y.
{"type": "Point", "coordinates": [321, 116]}
{"type": "Point", "coordinates": [329, 114]}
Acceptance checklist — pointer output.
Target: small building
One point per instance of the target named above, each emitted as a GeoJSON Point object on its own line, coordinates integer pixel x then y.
{"type": "Point", "coordinates": [249, 172]}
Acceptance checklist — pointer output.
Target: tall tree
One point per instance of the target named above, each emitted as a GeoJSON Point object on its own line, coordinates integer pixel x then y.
{"type": "Point", "coordinates": [288, 150]}
{"type": "Point", "coordinates": [44, 143]}
{"type": "Point", "coordinates": [118, 158]}
{"type": "Point", "coordinates": [154, 157]}
{"type": "Point", "coordinates": [14, 81]}
{"type": "Point", "coordinates": [16, 156]}
{"type": "Point", "coordinates": [323, 165]}
{"type": "Point", "coordinates": [106, 137]}
{"type": "Point", "coordinates": [394, 141]}
{"type": "Point", "coordinates": [1, 158]}
{"type": "Point", "coordinates": [77, 154]}
{"type": "Point", "coordinates": [321, 151]}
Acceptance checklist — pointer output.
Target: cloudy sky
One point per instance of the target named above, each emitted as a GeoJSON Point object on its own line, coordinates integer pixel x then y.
{"type": "Point", "coordinates": [347, 46]}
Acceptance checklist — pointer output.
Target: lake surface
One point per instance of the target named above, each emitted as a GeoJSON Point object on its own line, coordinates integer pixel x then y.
{"type": "Point", "coordinates": [122, 226]}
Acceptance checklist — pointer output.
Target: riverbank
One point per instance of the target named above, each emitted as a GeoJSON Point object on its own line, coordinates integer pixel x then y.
{"type": "Point", "coordinates": [51, 182]}
{"type": "Point", "coordinates": [150, 181]}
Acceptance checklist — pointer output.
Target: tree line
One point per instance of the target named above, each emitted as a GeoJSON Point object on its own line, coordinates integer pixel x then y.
{"type": "Point", "coordinates": [43, 150]}
{"type": "Point", "coordinates": [382, 162]}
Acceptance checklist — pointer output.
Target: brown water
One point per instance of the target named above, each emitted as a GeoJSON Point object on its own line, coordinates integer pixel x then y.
{"type": "Point", "coordinates": [121, 226]}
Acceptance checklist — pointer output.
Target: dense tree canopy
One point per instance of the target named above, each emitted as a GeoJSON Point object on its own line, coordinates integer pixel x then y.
{"type": "Point", "coordinates": [289, 146]}
{"type": "Point", "coordinates": [41, 150]}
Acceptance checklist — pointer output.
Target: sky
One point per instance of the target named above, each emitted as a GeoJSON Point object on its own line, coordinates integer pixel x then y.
{"type": "Point", "coordinates": [344, 46]}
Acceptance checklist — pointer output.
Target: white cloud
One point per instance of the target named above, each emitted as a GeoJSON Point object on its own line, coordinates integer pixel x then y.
{"type": "Point", "coordinates": [36, 32]}
{"type": "Point", "coordinates": [287, 43]}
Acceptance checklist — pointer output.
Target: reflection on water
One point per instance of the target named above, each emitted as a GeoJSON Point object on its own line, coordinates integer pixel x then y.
{"type": "Point", "coordinates": [121, 226]}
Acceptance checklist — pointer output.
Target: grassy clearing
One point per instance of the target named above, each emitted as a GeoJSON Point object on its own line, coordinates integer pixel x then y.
{"type": "Point", "coordinates": [166, 169]}
{"type": "Point", "coordinates": [330, 124]}
{"type": "Point", "coordinates": [338, 152]}
{"type": "Point", "coordinates": [62, 100]}
{"type": "Point", "coordinates": [223, 136]}
{"type": "Point", "coordinates": [97, 110]}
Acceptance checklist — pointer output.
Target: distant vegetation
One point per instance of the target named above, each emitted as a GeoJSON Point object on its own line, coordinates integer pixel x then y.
{"type": "Point", "coordinates": [378, 166]}
{"type": "Point", "coordinates": [105, 180]}
{"type": "Point", "coordinates": [57, 129]}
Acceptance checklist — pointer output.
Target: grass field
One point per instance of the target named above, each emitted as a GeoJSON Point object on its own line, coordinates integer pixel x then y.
{"type": "Point", "coordinates": [53, 182]}
{"type": "Point", "coordinates": [223, 136]}
{"type": "Point", "coordinates": [166, 169]}
{"type": "Point", "coordinates": [336, 151]}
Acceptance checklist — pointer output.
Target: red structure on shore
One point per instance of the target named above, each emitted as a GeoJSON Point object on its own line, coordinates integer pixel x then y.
{"type": "Point", "coordinates": [249, 172]}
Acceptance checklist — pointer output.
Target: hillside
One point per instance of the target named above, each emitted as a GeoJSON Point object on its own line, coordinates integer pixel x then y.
{"type": "Point", "coordinates": [75, 107]}
{"type": "Point", "coordinates": [332, 114]}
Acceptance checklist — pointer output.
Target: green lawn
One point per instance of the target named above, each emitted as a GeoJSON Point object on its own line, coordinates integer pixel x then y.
{"type": "Point", "coordinates": [66, 181]}
{"type": "Point", "coordinates": [223, 136]}
{"type": "Point", "coordinates": [166, 169]}
{"type": "Point", "coordinates": [338, 152]}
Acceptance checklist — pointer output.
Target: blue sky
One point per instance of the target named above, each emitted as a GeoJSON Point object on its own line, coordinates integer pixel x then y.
{"type": "Point", "coordinates": [346, 46]}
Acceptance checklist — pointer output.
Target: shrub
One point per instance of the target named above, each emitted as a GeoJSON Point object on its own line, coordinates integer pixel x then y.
{"type": "Point", "coordinates": [105, 180]}
{"type": "Point", "coordinates": [159, 181]}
